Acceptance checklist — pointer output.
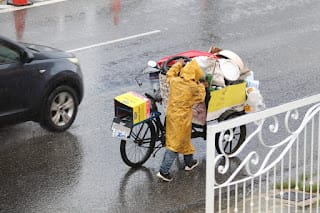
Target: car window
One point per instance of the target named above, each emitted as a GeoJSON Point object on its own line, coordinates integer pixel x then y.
{"type": "Point", "coordinates": [8, 55]}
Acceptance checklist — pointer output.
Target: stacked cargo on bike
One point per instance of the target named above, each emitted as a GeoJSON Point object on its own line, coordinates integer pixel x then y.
{"type": "Point", "coordinates": [222, 97]}
{"type": "Point", "coordinates": [147, 136]}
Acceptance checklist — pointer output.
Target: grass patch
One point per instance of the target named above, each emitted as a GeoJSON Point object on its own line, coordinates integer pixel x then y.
{"type": "Point", "coordinates": [302, 182]}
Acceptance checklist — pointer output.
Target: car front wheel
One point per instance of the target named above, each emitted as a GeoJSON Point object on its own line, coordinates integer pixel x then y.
{"type": "Point", "coordinates": [59, 109]}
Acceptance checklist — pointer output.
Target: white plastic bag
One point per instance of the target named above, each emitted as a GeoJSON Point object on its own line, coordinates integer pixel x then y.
{"type": "Point", "coordinates": [254, 102]}
{"type": "Point", "coordinates": [210, 66]}
{"type": "Point", "coordinates": [205, 62]}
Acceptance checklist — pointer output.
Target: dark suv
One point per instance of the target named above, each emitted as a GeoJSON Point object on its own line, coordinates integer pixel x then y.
{"type": "Point", "coordinates": [38, 83]}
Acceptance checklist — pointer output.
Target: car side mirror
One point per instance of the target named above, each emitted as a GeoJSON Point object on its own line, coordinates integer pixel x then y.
{"type": "Point", "coordinates": [27, 57]}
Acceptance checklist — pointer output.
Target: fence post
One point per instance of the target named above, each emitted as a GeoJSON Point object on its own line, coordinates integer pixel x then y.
{"type": "Point", "coordinates": [210, 170]}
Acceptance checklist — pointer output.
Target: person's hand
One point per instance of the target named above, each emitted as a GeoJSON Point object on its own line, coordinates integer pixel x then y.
{"type": "Point", "coordinates": [181, 61]}
{"type": "Point", "coordinates": [205, 84]}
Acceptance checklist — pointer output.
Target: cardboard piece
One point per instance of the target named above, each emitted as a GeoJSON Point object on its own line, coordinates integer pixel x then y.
{"type": "Point", "coordinates": [232, 96]}
{"type": "Point", "coordinates": [132, 106]}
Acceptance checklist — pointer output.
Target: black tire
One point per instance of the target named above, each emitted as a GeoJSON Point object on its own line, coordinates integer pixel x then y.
{"type": "Point", "coordinates": [238, 137]}
{"type": "Point", "coordinates": [137, 149]}
{"type": "Point", "coordinates": [59, 109]}
{"type": "Point", "coordinates": [165, 66]}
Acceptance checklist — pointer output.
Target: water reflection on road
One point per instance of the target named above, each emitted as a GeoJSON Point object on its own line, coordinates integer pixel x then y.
{"type": "Point", "coordinates": [38, 170]}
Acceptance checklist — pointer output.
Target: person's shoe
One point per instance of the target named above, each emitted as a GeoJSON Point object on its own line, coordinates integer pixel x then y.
{"type": "Point", "coordinates": [165, 177]}
{"type": "Point", "coordinates": [192, 165]}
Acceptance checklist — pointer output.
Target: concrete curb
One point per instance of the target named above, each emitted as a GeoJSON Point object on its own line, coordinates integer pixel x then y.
{"type": "Point", "coordinates": [4, 7]}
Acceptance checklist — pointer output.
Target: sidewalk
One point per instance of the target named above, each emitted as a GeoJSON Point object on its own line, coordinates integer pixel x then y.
{"type": "Point", "coordinates": [4, 7]}
{"type": "Point", "coordinates": [268, 204]}
{"type": "Point", "coordinates": [4, 2]}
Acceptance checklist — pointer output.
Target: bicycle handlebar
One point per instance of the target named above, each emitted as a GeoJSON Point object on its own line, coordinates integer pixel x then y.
{"type": "Point", "coordinates": [154, 99]}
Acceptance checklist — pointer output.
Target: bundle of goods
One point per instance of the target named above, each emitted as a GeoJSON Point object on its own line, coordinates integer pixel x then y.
{"type": "Point", "coordinates": [226, 68]}
{"type": "Point", "coordinates": [231, 84]}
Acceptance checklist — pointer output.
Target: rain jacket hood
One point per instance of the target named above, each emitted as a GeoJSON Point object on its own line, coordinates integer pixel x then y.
{"type": "Point", "coordinates": [192, 71]}
{"type": "Point", "coordinates": [184, 92]}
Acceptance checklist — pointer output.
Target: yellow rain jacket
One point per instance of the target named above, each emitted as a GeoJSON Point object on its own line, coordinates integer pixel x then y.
{"type": "Point", "coordinates": [185, 91]}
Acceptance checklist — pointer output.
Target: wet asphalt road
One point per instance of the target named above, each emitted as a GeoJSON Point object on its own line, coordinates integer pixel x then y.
{"type": "Point", "coordinates": [81, 170]}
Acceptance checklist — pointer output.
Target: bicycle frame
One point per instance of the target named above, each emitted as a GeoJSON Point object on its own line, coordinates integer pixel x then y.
{"type": "Point", "coordinates": [197, 130]}
{"type": "Point", "coordinates": [159, 125]}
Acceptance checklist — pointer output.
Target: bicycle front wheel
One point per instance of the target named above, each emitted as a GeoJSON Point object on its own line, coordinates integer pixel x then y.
{"type": "Point", "coordinates": [137, 149]}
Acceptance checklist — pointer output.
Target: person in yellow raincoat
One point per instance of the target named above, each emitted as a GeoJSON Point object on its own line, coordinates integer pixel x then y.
{"type": "Point", "coordinates": [185, 91]}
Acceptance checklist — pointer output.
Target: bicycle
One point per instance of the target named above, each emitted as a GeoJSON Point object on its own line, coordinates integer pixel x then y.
{"type": "Point", "coordinates": [148, 136]}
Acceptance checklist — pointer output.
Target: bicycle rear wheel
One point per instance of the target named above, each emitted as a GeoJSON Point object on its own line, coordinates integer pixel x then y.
{"type": "Point", "coordinates": [137, 149]}
{"type": "Point", "coordinates": [237, 134]}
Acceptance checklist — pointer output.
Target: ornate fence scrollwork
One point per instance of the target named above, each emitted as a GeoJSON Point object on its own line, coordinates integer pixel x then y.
{"type": "Point", "coordinates": [252, 163]}
{"type": "Point", "coordinates": [281, 151]}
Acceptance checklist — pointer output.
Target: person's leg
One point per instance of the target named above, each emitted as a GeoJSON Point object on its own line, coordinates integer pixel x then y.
{"type": "Point", "coordinates": [169, 157]}
{"type": "Point", "coordinates": [188, 159]}
{"type": "Point", "coordinates": [190, 163]}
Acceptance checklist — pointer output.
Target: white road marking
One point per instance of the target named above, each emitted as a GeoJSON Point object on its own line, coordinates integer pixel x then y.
{"type": "Point", "coordinates": [115, 41]}
{"type": "Point", "coordinates": [10, 8]}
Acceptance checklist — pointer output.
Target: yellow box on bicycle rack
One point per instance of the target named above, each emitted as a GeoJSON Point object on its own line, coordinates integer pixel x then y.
{"type": "Point", "coordinates": [133, 106]}
{"type": "Point", "coordinates": [223, 99]}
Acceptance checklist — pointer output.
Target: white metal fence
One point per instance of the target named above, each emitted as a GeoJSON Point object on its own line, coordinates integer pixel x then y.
{"type": "Point", "coordinates": [277, 167]}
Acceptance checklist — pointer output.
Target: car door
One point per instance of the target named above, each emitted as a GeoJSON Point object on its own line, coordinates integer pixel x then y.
{"type": "Point", "coordinates": [13, 90]}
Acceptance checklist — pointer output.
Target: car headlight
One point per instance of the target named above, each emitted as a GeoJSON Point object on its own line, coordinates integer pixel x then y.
{"type": "Point", "coordinates": [74, 60]}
